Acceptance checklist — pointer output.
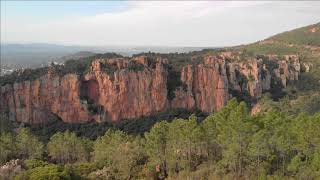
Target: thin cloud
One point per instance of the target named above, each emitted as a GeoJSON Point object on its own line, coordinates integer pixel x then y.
{"type": "Point", "coordinates": [172, 23]}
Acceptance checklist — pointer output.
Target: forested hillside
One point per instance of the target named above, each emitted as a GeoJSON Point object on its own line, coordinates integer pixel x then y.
{"type": "Point", "coordinates": [308, 36]}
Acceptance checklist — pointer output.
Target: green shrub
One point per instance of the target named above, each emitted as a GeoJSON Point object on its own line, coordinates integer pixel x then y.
{"type": "Point", "coordinates": [82, 170]}
{"type": "Point", "coordinates": [33, 163]}
{"type": "Point", "coordinates": [28, 145]}
{"type": "Point", "coordinates": [68, 148]}
{"type": "Point", "coordinates": [48, 172]}
{"type": "Point", "coordinates": [7, 147]}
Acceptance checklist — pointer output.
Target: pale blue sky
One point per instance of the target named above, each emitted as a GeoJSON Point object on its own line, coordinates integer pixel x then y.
{"type": "Point", "coordinates": [58, 9]}
{"type": "Point", "coordinates": [164, 23]}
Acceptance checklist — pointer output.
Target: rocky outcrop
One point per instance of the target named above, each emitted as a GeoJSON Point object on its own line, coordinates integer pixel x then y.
{"type": "Point", "coordinates": [184, 97]}
{"type": "Point", "coordinates": [124, 88]}
{"type": "Point", "coordinates": [128, 93]}
{"type": "Point", "coordinates": [100, 95]}
{"type": "Point", "coordinates": [256, 109]}
{"type": "Point", "coordinates": [205, 86]}
{"type": "Point", "coordinates": [35, 101]}
{"type": "Point", "coordinates": [288, 68]}
{"type": "Point", "coordinates": [247, 76]}
{"type": "Point", "coordinates": [256, 76]}
{"type": "Point", "coordinates": [11, 168]}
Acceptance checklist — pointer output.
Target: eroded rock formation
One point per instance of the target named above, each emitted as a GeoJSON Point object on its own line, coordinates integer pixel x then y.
{"type": "Point", "coordinates": [123, 88]}
{"type": "Point", "coordinates": [205, 86]}
{"type": "Point", "coordinates": [34, 101]}
{"type": "Point", "coordinates": [128, 93]}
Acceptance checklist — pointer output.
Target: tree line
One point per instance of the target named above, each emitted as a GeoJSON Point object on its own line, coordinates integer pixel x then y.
{"type": "Point", "coordinates": [229, 144]}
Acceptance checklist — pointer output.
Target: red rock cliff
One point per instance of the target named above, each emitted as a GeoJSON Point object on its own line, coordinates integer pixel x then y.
{"type": "Point", "coordinates": [206, 86]}
{"type": "Point", "coordinates": [126, 93]}
{"type": "Point", "coordinates": [34, 101]}
{"type": "Point", "coordinates": [116, 89]}
{"type": "Point", "coordinates": [133, 88]}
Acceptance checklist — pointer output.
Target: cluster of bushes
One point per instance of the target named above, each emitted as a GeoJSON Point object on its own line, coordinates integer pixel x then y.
{"type": "Point", "coordinates": [40, 170]}
{"type": "Point", "coordinates": [227, 144]}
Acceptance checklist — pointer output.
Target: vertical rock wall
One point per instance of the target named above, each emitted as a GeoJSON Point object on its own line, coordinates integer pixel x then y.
{"type": "Point", "coordinates": [116, 89]}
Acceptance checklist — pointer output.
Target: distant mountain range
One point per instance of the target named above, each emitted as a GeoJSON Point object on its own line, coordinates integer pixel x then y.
{"type": "Point", "coordinates": [37, 54]}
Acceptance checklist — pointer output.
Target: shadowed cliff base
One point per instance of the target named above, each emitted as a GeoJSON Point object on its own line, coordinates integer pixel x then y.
{"type": "Point", "coordinates": [93, 130]}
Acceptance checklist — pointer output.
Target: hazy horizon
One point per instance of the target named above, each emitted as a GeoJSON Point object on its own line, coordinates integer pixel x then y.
{"type": "Point", "coordinates": [154, 24]}
{"type": "Point", "coordinates": [103, 46]}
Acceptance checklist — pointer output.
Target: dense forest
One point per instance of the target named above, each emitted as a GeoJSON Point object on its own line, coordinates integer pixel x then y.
{"type": "Point", "coordinates": [229, 144]}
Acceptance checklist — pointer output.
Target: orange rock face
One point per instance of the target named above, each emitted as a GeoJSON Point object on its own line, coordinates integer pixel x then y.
{"type": "Point", "coordinates": [206, 86]}
{"type": "Point", "coordinates": [184, 98]}
{"type": "Point", "coordinates": [34, 101]}
{"type": "Point", "coordinates": [126, 93]}
{"type": "Point", "coordinates": [123, 88]}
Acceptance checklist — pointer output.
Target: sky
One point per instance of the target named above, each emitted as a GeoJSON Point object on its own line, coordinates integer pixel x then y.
{"type": "Point", "coordinates": [152, 23]}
